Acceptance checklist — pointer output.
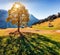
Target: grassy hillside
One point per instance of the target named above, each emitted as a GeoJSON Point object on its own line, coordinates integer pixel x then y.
{"type": "Point", "coordinates": [45, 25]}
{"type": "Point", "coordinates": [29, 44]}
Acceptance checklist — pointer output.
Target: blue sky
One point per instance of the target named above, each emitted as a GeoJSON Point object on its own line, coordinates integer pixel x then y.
{"type": "Point", "coordinates": [39, 8]}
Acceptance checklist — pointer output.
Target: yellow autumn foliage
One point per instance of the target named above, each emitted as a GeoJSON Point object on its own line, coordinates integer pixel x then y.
{"type": "Point", "coordinates": [16, 14]}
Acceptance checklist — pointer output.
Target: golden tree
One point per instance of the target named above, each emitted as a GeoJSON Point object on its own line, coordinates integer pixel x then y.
{"type": "Point", "coordinates": [18, 15]}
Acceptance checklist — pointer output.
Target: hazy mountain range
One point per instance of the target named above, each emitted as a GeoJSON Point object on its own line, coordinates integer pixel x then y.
{"type": "Point", "coordinates": [4, 24]}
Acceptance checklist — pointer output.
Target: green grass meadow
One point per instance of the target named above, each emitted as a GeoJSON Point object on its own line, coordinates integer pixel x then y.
{"type": "Point", "coordinates": [29, 44]}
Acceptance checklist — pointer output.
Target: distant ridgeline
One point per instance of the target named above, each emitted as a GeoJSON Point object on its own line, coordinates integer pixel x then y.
{"type": "Point", "coordinates": [4, 24]}
{"type": "Point", "coordinates": [49, 18]}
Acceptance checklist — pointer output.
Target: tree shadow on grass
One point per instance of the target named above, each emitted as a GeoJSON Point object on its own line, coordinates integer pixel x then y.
{"type": "Point", "coordinates": [29, 44]}
{"type": "Point", "coordinates": [41, 45]}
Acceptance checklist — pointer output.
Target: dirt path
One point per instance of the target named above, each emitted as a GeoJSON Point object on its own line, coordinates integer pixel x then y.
{"type": "Point", "coordinates": [4, 32]}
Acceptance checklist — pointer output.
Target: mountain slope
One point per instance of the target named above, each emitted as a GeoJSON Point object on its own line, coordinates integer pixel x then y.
{"type": "Point", "coordinates": [3, 16]}
{"type": "Point", "coordinates": [32, 20]}
{"type": "Point", "coordinates": [45, 25]}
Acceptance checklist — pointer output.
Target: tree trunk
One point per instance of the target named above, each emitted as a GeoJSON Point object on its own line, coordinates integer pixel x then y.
{"type": "Point", "coordinates": [18, 25]}
{"type": "Point", "coordinates": [19, 22]}
{"type": "Point", "coordinates": [18, 28]}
